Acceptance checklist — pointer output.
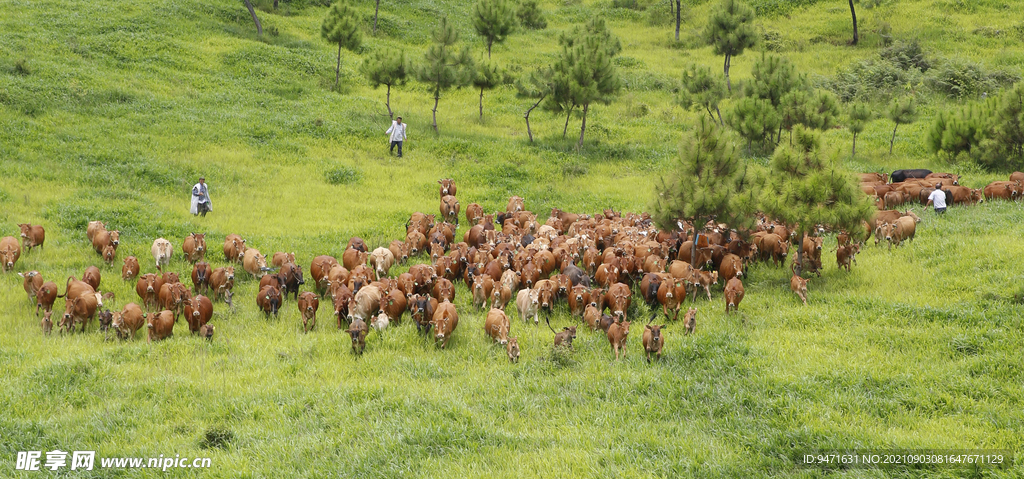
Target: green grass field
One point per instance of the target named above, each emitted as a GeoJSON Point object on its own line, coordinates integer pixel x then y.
{"type": "Point", "coordinates": [111, 110]}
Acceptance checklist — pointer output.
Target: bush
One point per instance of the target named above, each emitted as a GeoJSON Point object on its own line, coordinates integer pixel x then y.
{"type": "Point", "coordinates": [216, 437]}
{"type": "Point", "coordinates": [342, 176]}
{"type": "Point", "coordinates": [906, 55]}
{"type": "Point", "coordinates": [21, 67]}
{"type": "Point", "coordinates": [961, 79]}
{"type": "Point", "coordinates": [530, 15]}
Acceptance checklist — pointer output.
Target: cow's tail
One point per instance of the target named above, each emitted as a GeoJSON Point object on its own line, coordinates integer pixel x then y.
{"type": "Point", "coordinates": [548, 320]}
{"type": "Point", "coordinates": [67, 285]}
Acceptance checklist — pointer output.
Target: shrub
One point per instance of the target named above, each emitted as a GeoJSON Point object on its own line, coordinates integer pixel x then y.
{"type": "Point", "coordinates": [530, 15]}
{"type": "Point", "coordinates": [342, 176]}
{"type": "Point", "coordinates": [906, 55]}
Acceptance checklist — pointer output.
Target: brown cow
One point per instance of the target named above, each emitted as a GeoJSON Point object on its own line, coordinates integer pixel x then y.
{"type": "Point", "coordinates": [130, 269]}
{"type": "Point", "coordinates": [671, 295]}
{"type": "Point", "coordinates": [206, 332]}
{"type": "Point", "coordinates": [812, 254]}
{"type": "Point", "coordinates": [607, 273]}
{"type": "Point", "coordinates": [416, 242]}
{"type": "Point", "coordinates": [898, 231]}
{"type": "Point", "coordinates": [394, 303]}
{"type": "Point", "coordinates": [733, 294]}
{"type": "Point", "coordinates": [1004, 190]}
{"type": "Point", "coordinates": [399, 251]}
{"type": "Point", "coordinates": [33, 282]}
{"type": "Point", "coordinates": [445, 320]}
{"type": "Point", "coordinates": [497, 325]}
{"type": "Point", "coordinates": [450, 209]}
{"type": "Point", "coordinates": [773, 246]}
{"type": "Point", "coordinates": [512, 350]}
{"type": "Point", "coordinates": [128, 321]}
{"type": "Point", "coordinates": [617, 335]}
{"type": "Point", "coordinates": [93, 228]}
{"type": "Point", "coordinates": [444, 289]}
{"type": "Point", "coordinates": [578, 298]}
{"type": "Point", "coordinates": [690, 320]}
{"type": "Point", "coordinates": [92, 277]}
{"type": "Point", "coordinates": [894, 198]}
{"type": "Point", "coordinates": [474, 213]}
{"type": "Point", "coordinates": [46, 323]}
{"type": "Point", "coordinates": [32, 236]}
{"type": "Point", "coordinates": [309, 302]}
{"type": "Point", "coordinates": [173, 296]}
{"type": "Point", "coordinates": [705, 279]}
{"type": "Point", "coordinates": [10, 251]}
{"type": "Point", "coordinates": [105, 238]}
{"type": "Point", "coordinates": [342, 296]}
{"type": "Point", "coordinates": [618, 299]}
{"type": "Point", "coordinates": [847, 253]}
{"type": "Point", "coordinates": [291, 278]}
{"type": "Point", "coordinates": [79, 309]}
{"type": "Point", "coordinates": [147, 290]}
{"type": "Point", "coordinates": [592, 316]}
{"type": "Point", "coordinates": [515, 203]}
{"type": "Point", "coordinates": [653, 341]}
{"type": "Point", "coordinates": [280, 258]}
{"type": "Point", "coordinates": [357, 244]}
{"type": "Point", "coordinates": [221, 282]}
{"type": "Point", "coordinates": [269, 300]}
{"type": "Point", "coordinates": [318, 270]}
{"type": "Point", "coordinates": [161, 326]}
{"type": "Point", "coordinates": [254, 263]}
{"type": "Point", "coordinates": [234, 248]}
{"type": "Point", "coordinates": [198, 311]}
{"type": "Point", "coordinates": [482, 288]}
{"type": "Point", "coordinates": [201, 273]}
{"type": "Point", "coordinates": [194, 247]}
{"type": "Point", "coordinates": [353, 257]}
{"type": "Point", "coordinates": [965, 195]}
{"type": "Point", "coordinates": [358, 331]}
{"type": "Point", "coordinates": [447, 187]}
{"type": "Point", "coordinates": [45, 297]}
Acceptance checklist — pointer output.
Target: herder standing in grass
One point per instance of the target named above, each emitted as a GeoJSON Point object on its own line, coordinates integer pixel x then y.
{"type": "Point", "coordinates": [201, 198]}
{"type": "Point", "coordinates": [397, 132]}
{"type": "Point", "coordinates": [938, 198]}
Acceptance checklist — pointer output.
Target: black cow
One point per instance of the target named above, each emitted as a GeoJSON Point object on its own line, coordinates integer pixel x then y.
{"type": "Point", "coordinates": [899, 176]}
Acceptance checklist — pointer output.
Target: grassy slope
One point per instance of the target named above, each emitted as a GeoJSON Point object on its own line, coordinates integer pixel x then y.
{"type": "Point", "coordinates": [128, 102]}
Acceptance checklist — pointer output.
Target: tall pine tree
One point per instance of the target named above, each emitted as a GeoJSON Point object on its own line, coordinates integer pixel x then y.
{"type": "Point", "coordinates": [341, 27]}
{"type": "Point", "coordinates": [386, 68]}
{"type": "Point", "coordinates": [488, 75]}
{"type": "Point", "coordinates": [444, 69]}
{"type": "Point", "coordinates": [493, 20]}
{"type": "Point", "coordinates": [729, 31]}
{"type": "Point", "coordinates": [584, 73]}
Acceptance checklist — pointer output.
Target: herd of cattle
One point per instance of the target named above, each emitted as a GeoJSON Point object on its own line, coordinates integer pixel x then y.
{"type": "Point", "coordinates": [595, 265]}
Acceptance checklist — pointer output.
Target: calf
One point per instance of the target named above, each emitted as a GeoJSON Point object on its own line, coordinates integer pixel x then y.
{"type": "Point", "coordinates": [706, 279]}
{"type": "Point", "coordinates": [342, 296]}
{"type": "Point", "coordinates": [161, 326]}
{"type": "Point", "coordinates": [617, 335]}
{"type": "Point", "coordinates": [497, 326]}
{"type": "Point", "coordinates": [221, 282]}
{"type": "Point", "coordinates": [201, 274]}
{"type": "Point", "coordinates": [127, 321]}
{"type": "Point", "coordinates": [130, 269]}
{"type": "Point", "coordinates": [32, 236]}
{"type": "Point", "coordinates": [592, 316]}
{"type": "Point", "coordinates": [104, 238]}
{"type": "Point", "coordinates": [10, 251]}
{"type": "Point", "coordinates": [198, 311]}
{"type": "Point", "coordinates": [733, 294]}
{"type": "Point", "coordinates": [564, 337]}
{"type": "Point", "coordinates": [358, 330]}
{"type": "Point", "coordinates": [194, 247]}
{"type": "Point", "coordinates": [47, 323]}
{"type": "Point", "coordinates": [845, 254]}
{"type": "Point", "coordinates": [269, 300]}
{"type": "Point", "coordinates": [162, 251]}
{"type": "Point", "coordinates": [812, 254]}
{"type": "Point", "coordinates": [653, 341]}
{"type": "Point", "coordinates": [501, 294]}
{"type": "Point", "coordinates": [512, 350]}
{"type": "Point", "coordinates": [799, 286]}
{"type": "Point", "coordinates": [691, 320]}
{"type": "Point", "coordinates": [445, 320]}
{"type": "Point", "coordinates": [206, 332]}
{"type": "Point", "coordinates": [399, 251]}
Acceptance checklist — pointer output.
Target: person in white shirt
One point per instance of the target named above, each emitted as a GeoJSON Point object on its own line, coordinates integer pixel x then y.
{"type": "Point", "coordinates": [938, 198]}
{"type": "Point", "coordinates": [397, 132]}
{"type": "Point", "coordinates": [201, 203]}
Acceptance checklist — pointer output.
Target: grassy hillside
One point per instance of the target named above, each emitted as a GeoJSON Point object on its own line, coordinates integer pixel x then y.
{"type": "Point", "coordinates": [111, 110]}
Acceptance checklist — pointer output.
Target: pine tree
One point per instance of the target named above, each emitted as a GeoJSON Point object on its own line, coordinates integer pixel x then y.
{"type": "Point", "coordinates": [729, 31]}
{"type": "Point", "coordinates": [860, 115]}
{"type": "Point", "coordinates": [701, 89]}
{"type": "Point", "coordinates": [530, 16]}
{"type": "Point", "coordinates": [341, 27]}
{"type": "Point", "coordinates": [385, 68]}
{"type": "Point", "coordinates": [584, 73]}
{"type": "Point", "coordinates": [444, 69]}
{"type": "Point", "coordinates": [755, 120]}
{"type": "Point", "coordinates": [772, 78]}
{"type": "Point", "coordinates": [710, 181]}
{"type": "Point", "coordinates": [817, 110]}
{"type": "Point", "coordinates": [901, 112]}
{"type": "Point", "coordinates": [488, 76]}
{"type": "Point", "coordinates": [805, 190]}
{"type": "Point", "coordinates": [493, 20]}
{"type": "Point", "coordinates": [853, 13]}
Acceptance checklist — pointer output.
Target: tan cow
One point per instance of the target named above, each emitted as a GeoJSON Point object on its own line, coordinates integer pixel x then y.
{"type": "Point", "coordinates": [130, 269]}
{"type": "Point", "coordinates": [162, 251]}
{"type": "Point", "coordinates": [10, 251]}
{"type": "Point", "coordinates": [254, 263]}
{"type": "Point", "coordinates": [32, 236]}
{"type": "Point", "coordinates": [497, 326]}
{"type": "Point", "coordinates": [127, 321]}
